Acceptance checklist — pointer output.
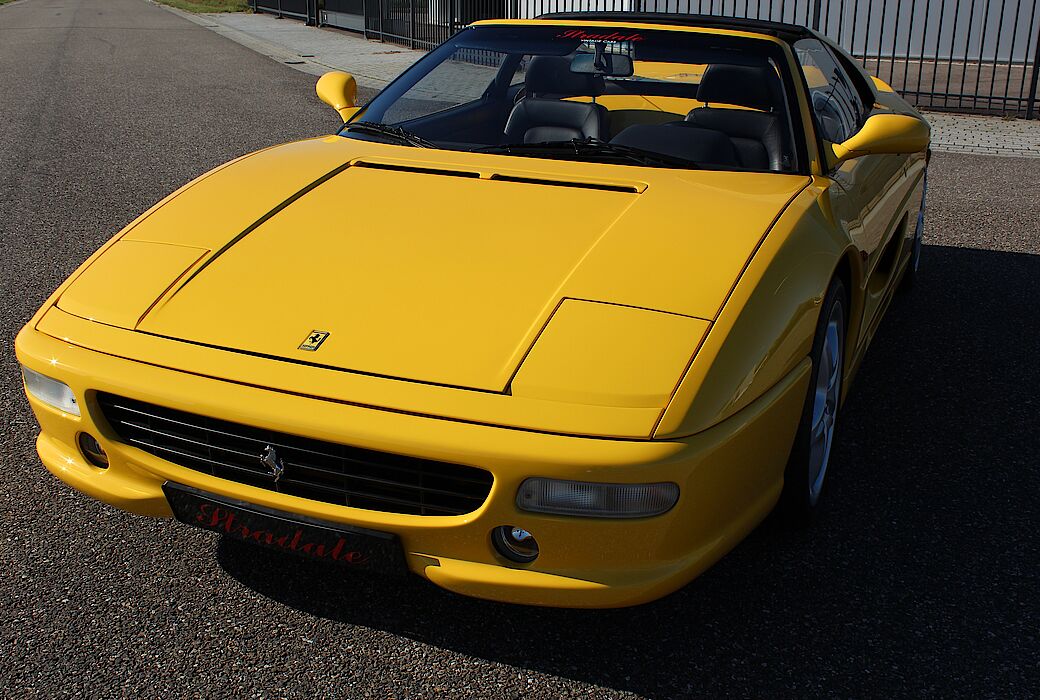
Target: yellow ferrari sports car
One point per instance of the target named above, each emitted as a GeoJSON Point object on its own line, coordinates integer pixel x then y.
{"type": "Point", "coordinates": [556, 318]}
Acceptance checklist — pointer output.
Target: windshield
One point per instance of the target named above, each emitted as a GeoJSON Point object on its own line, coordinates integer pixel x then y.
{"type": "Point", "coordinates": [667, 99]}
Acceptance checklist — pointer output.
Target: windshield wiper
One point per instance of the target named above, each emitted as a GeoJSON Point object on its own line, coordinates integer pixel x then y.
{"type": "Point", "coordinates": [640, 154]}
{"type": "Point", "coordinates": [590, 147]}
{"type": "Point", "coordinates": [395, 132]}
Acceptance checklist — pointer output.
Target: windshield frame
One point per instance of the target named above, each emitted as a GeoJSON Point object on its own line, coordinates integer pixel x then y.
{"type": "Point", "coordinates": [776, 49]}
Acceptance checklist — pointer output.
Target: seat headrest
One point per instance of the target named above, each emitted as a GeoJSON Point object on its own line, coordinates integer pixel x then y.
{"type": "Point", "coordinates": [534, 120]}
{"type": "Point", "coordinates": [745, 86]}
{"type": "Point", "coordinates": [551, 75]}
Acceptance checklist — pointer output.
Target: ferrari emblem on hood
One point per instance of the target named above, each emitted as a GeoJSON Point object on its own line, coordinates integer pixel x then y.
{"type": "Point", "coordinates": [314, 340]}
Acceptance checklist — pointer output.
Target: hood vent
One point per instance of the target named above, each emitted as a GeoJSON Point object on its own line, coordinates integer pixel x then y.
{"type": "Point", "coordinates": [414, 169]}
{"type": "Point", "coordinates": [628, 188]}
{"type": "Point", "coordinates": [631, 189]}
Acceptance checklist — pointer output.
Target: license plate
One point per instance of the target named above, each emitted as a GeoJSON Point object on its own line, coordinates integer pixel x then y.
{"type": "Point", "coordinates": [356, 548]}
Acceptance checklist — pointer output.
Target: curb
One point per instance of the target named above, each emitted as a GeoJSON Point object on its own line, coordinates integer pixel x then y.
{"type": "Point", "coordinates": [265, 48]}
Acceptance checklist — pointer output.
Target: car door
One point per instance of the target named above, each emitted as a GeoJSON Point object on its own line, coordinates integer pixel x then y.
{"type": "Point", "coordinates": [871, 190]}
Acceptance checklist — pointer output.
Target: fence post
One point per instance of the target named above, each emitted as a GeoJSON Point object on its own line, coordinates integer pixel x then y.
{"type": "Point", "coordinates": [816, 15]}
{"type": "Point", "coordinates": [411, 24]}
{"type": "Point", "coordinates": [1031, 100]}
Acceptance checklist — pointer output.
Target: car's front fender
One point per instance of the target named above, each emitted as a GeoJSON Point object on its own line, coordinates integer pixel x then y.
{"type": "Point", "coordinates": [766, 326]}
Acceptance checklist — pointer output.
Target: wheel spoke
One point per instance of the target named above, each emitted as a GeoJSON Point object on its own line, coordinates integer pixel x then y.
{"type": "Point", "coordinates": [833, 381]}
{"type": "Point", "coordinates": [819, 406]}
{"type": "Point", "coordinates": [819, 428]}
{"type": "Point", "coordinates": [826, 396]}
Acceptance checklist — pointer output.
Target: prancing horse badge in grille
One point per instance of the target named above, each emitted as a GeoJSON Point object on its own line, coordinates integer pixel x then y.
{"type": "Point", "coordinates": [270, 459]}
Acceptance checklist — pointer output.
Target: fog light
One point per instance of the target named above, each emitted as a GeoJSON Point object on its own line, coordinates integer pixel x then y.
{"type": "Point", "coordinates": [50, 391]}
{"type": "Point", "coordinates": [515, 543]}
{"type": "Point", "coordinates": [93, 451]}
{"type": "Point", "coordinates": [591, 500]}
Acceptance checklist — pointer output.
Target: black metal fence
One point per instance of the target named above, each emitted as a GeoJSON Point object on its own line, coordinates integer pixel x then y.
{"type": "Point", "coordinates": [959, 55]}
{"type": "Point", "coordinates": [297, 9]}
{"type": "Point", "coordinates": [979, 56]}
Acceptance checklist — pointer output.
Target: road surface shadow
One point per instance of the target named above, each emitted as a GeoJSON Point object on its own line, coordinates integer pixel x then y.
{"type": "Point", "coordinates": [919, 576]}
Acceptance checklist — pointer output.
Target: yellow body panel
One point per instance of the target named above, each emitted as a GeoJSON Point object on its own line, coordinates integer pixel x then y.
{"type": "Point", "coordinates": [630, 25]}
{"type": "Point", "coordinates": [561, 319]}
{"type": "Point", "coordinates": [881, 85]}
{"type": "Point", "coordinates": [627, 110]}
{"type": "Point", "coordinates": [609, 355]}
{"type": "Point", "coordinates": [726, 488]}
{"type": "Point", "coordinates": [466, 305]}
{"type": "Point", "coordinates": [663, 70]}
{"type": "Point", "coordinates": [95, 296]}
{"type": "Point", "coordinates": [354, 388]}
{"type": "Point", "coordinates": [474, 292]}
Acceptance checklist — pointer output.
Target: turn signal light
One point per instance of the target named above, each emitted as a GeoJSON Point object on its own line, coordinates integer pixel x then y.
{"type": "Point", "coordinates": [50, 391]}
{"type": "Point", "coordinates": [591, 500]}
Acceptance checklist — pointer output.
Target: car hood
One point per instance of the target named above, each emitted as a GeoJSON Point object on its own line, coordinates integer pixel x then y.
{"type": "Point", "coordinates": [429, 266]}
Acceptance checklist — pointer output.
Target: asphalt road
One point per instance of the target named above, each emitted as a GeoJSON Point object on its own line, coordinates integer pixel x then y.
{"type": "Point", "coordinates": [920, 579]}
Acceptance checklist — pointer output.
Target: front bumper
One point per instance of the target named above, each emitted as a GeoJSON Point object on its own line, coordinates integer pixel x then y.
{"type": "Point", "coordinates": [729, 478]}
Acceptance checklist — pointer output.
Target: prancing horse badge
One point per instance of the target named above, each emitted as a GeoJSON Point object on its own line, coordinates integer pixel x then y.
{"type": "Point", "coordinates": [314, 340]}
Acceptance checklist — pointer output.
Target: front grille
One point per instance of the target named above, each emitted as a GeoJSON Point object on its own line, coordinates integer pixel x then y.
{"type": "Point", "coordinates": [320, 471]}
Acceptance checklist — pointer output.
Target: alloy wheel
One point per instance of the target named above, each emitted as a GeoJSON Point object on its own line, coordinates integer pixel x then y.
{"type": "Point", "coordinates": [825, 400]}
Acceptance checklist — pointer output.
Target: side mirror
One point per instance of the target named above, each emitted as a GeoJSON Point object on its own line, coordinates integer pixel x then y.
{"type": "Point", "coordinates": [339, 91]}
{"type": "Point", "coordinates": [882, 134]}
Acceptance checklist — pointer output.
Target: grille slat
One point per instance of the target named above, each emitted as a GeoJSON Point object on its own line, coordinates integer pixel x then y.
{"type": "Point", "coordinates": [313, 469]}
{"type": "Point", "coordinates": [153, 448]}
{"type": "Point", "coordinates": [478, 480]}
{"type": "Point", "coordinates": [173, 436]}
{"type": "Point", "coordinates": [362, 494]}
{"type": "Point", "coordinates": [385, 482]}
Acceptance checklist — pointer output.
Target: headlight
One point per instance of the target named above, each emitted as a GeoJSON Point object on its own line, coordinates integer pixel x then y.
{"type": "Point", "coordinates": [596, 500]}
{"type": "Point", "coordinates": [50, 391]}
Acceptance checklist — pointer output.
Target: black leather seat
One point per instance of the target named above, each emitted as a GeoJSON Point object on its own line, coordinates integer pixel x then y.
{"type": "Point", "coordinates": [757, 137]}
{"type": "Point", "coordinates": [702, 146]}
{"type": "Point", "coordinates": [542, 116]}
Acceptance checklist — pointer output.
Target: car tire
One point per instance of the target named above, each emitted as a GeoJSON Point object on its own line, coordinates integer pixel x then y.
{"type": "Point", "coordinates": [810, 455]}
